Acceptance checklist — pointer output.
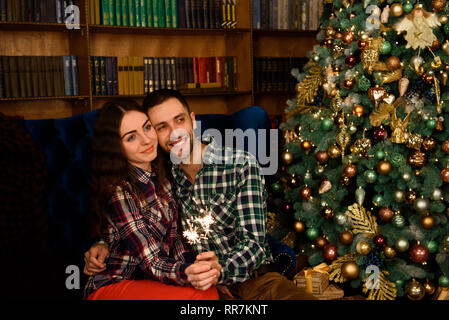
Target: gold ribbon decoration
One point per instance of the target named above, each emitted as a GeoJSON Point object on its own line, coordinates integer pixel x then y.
{"type": "Point", "coordinates": [321, 268]}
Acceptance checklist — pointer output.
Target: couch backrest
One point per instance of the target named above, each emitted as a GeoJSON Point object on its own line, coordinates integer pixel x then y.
{"type": "Point", "coordinates": [66, 146]}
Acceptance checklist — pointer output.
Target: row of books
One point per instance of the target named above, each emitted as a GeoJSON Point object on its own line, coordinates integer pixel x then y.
{"type": "Point", "coordinates": [34, 10]}
{"type": "Point", "coordinates": [141, 75]}
{"type": "Point", "coordinates": [208, 14]}
{"type": "Point", "coordinates": [38, 76]}
{"type": "Point", "coordinates": [274, 74]}
{"type": "Point", "coordinates": [287, 14]}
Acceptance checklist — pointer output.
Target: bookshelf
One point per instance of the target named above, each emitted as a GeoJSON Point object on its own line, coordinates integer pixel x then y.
{"type": "Point", "coordinates": [243, 42]}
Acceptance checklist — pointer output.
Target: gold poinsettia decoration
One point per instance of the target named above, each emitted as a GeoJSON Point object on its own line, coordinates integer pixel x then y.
{"type": "Point", "coordinates": [362, 220]}
{"type": "Point", "coordinates": [378, 287]}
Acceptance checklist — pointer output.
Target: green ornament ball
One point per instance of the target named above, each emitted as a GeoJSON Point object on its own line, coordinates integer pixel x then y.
{"type": "Point", "coordinates": [443, 281]}
{"type": "Point", "coordinates": [385, 47]}
{"type": "Point", "coordinates": [408, 7]}
{"type": "Point", "coordinates": [397, 160]}
{"type": "Point", "coordinates": [380, 155]}
{"type": "Point", "coordinates": [352, 129]}
{"type": "Point", "coordinates": [364, 83]}
{"type": "Point", "coordinates": [312, 233]}
{"type": "Point", "coordinates": [431, 124]}
{"type": "Point", "coordinates": [326, 124]}
{"type": "Point", "coordinates": [398, 221]}
{"type": "Point", "coordinates": [340, 219]}
{"type": "Point", "coordinates": [370, 176]}
{"type": "Point", "coordinates": [432, 245]}
{"type": "Point", "coordinates": [276, 187]}
{"type": "Point", "coordinates": [377, 199]}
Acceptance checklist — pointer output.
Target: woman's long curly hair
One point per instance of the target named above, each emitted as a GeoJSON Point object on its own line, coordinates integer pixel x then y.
{"type": "Point", "coordinates": [110, 167]}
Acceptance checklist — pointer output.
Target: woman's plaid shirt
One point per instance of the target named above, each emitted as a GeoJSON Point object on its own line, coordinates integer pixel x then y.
{"type": "Point", "coordinates": [230, 184]}
{"type": "Point", "coordinates": [143, 239]}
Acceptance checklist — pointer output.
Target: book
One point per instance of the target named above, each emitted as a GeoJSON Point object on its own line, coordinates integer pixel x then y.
{"type": "Point", "coordinates": [145, 79]}
{"type": "Point", "coordinates": [156, 21]}
{"type": "Point", "coordinates": [150, 75]}
{"type": "Point", "coordinates": [97, 75]}
{"type": "Point", "coordinates": [167, 73]}
{"type": "Point", "coordinates": [75, 84]}
{"type": "Point", "coordinates": [115, 76]}
{"type": "Point", "coordinates": [14, 76]}
{"type": "Point", "coordinates": [173, 73]}
{"type": "Point", "coordinates": [103, 83]}
{"type": "Point", "coordinates": [162, 75]}
{"type": "Point", "coordinates": [2, 88]}
{"type": "Point", "coordinates": [143, 14]}
{"type": "Point", "coordinates": [124, 12]}
{"type": "Point", "coordinates": [188, 15]}
{"type": "Point", "coordinates": [168, 13]}
{"type": "Point", "coordinates": [21, 76]}
{"type": "Point", "coordinates": [3, 12]}
{"type": "Point", "coordinates": [121, 76]}
{"type": "Point", "coordinates": [117, 13]}
{"type": "Point", "coordinates": [161, 14]}
{"type": "Point", "coordinates": [139, 75]}
{"type": "Point", "coordinates": [181, 13]}
{"type": "Point", "coordinates": [174, 13]}
{"type": "Point", "coordinates": [49, 77]}
{"type": "Point", "coordinates": [67, 71]}
{"type": "Point", "coordinates": [105, 19]}
{"type": "Point", "coordinates": [109, 75]}
{"type": "Point", "coordinates": [193, 13]}
{"type": "Point", "coordinates": [149, 8]}
{"type": "Point", "coordinates": [59, 76]}
{"type": "Point", "coordinates": [137, 10]}
{"type": "Point", "coordinates": [6, 77]}
{"type": "Point", "coordinates": [131, 13]}
{"type": "Point", "coordinates": [34, 76]}
{"type": "Point", "coordinates": [156, 77]}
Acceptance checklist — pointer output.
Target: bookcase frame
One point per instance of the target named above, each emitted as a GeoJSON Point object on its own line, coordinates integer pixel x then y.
{"type": "Point", "coordinates": [46, 39]}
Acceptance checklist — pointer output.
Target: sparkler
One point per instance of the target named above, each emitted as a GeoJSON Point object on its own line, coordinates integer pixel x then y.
{"type": "Point", "coordinates": [199, 227]}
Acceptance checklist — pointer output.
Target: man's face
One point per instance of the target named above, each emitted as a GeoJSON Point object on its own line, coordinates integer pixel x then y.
{"type": "Point", "coordinates": [174, 127]}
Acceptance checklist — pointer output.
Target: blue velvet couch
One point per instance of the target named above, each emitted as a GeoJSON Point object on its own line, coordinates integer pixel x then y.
{"type": "Point", "coordinates": [54, 235]}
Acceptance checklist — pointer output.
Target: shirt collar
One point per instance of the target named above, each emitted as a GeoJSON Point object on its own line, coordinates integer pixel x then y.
{"type": "Point", "coordinates": [142, 175]}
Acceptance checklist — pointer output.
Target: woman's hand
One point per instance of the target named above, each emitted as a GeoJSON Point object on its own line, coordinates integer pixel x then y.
{"type": "Point", "coordinates": [203, 274]}
{"type": "Point", "coordinates": [94, 259]}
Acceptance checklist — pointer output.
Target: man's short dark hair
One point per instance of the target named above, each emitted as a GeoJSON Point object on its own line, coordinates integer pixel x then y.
{"type": "Point", "coordinates": [160, 96]}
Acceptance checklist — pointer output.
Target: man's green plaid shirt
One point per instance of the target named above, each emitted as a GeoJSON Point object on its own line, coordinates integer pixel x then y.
{"type": "Point", "coordinates": [231, 186]}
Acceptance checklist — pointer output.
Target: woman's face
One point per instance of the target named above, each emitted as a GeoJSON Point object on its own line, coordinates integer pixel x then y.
{"type": "Point", "coordinates": [139, 139]}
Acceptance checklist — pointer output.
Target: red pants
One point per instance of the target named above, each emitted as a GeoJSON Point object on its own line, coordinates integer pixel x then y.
{"type": "Point", "coordinates": [150, 290]}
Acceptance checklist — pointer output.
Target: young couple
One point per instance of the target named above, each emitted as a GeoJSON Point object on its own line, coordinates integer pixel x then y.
{"type": "Point", "coordinates": [140, 197]}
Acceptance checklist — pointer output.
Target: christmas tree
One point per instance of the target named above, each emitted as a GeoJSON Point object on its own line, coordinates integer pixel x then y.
{"type": "Point", "coordinates": [365, 179]}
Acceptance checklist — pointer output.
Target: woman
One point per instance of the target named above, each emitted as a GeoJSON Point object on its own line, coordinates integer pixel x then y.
{"type": "Point", "coordinates": [136, 214]}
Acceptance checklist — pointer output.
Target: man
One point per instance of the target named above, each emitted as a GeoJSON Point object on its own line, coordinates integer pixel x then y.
{"type": "Point", "coordinates": [227, 184]}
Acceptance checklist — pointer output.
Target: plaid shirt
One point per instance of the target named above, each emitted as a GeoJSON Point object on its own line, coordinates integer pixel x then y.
{"type": "Point", "coordinates": [142, 237]}
{"type": "Point", "coordinates": [231, 186]}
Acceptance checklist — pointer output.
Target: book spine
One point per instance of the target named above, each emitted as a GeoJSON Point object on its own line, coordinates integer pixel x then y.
{"type": "Point", "coordinates": [131, 13]}
{"type": "Point", "coordinates": [67, 70]}
{"type": "Point", "coordinates": [156, 73]}
{"type": "Point", "coordinates": [143, 14]}
{"type": "Point", "coordinates": [2, 88]}
{"type": "Point", "coordinates": [168, 78]}
{"type": "Point", "coordinates": [168, 14]}
{"type": "Point", "coordinates": [124, 13]}
{"type": "Point", "coordinates": [109, 74]}
{"type": "Point", "coordinates": [50, 79]}
{"type": "Point", "coordinates": [156, 13]}
{"type": "Point", "coordinates": [181, 13]}
{"type": "Point", "coordinates": [117, 13]}
{"type": "Point", "coordinates": [150, 75]}
{"type": "Point", "coordinates": [145, 77]}
{"type": "Point", "coordinates": [162, 75]}
{"type": "Point", "coordinates": [34, 76]}
{"type": "Point", "coordinates": [6, 77]}
{"type": "Point", "coordinates": [3, 12]}
{"type": "Point", "coordinates": [174, 13]}
{"type": "Point", "coordinates": [224, 14]}
{"type": "Point", "coordinates": [188, 15]}
{"type": "Point", "coordinates": [105, 12]}
{"type": "Point", "coordinates": [219, 70]}
{"type": "Point", "coordinates": [58, 11]}
{"type": "Point", "coordinates": [120, 73]}
{"type": "Point", "coordinates": [161, 14]}
{"type": "Point", "coordinates": [193, 12]}
{"type": "Point", "coordinates": [14, 77]}
{"type": "Point", "coordinates": [115, 76]}
{"type": "Point", "coordinates": [21, 76]}
{"type": "Point", "coordinates": [174, 80]}
{"type": "Point", "coordinates": [149, 7]}
{"type": "Point", "coordinates": [195, 70]}
{"type": "Point", "coordinates": [137, 9]}
{"type": "Point", "coordinates": [205, 15]}
{"type": "Point", "coordinates": [74, 66]}
{"type": "Point", "coordinates": [103, 82]}
{"type": "Point", "coordinates": [59, 76]}
{"type": "Point", "coordinates": [97, 75]}
{"type": "Point", "coordinates": [131, 75]}
{"type": "Point", "coordinates": [141, 73]}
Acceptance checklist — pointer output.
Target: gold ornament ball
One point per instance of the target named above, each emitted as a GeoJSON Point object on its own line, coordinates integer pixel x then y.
{"type": "Point", "coordinates": [363, 247]}
{"type": "Point", "coordinates": [330, 32]}
{"type": "Point", "coordinates": [435, 45]}
{"type": "Point", "coordinates": [429, 143]}
{"type": "Point", "coordinates": [321, 242]}
{"type": "Point", "coordinates": [334, 151]}
{"type": "Point", "coordinates": [414, 290]}
{"type": "Point", "coordinates": [389, 252]}
{"type": "Point", "coordinates": [322, 157]}
{"type": "Point", "coordinates": [438, 5]}
{"type": "Point", "coordinates": [350, 170]}
{"type": "Point", "coordinates": [428, 222]}
{"type": "Point", "coordinates": [383, 167]}
{"type": "Point", "coordinates": [386, 214]}
{"type": "Point", "coordinates": [410, 196]}
{"type": "Point", "coordinates": [358, 110]}
{"type": "Point", "coordinates": [306, 145]}
{"type": "Point", "coordinates": [429, 287]}
{"type": "Point", "coordinates": [350, 270]}
{"type": "Point", "coordinates": [396, 10]}
{"type": "Point", "coordinates": [347, 37]}
{"type": "Point", "coordinates": [305, 193]}
{"type": "Point", "coordinates": [299, 226]}
{"type": "Point", "coordinates": [345, 180]}
{"type": "Point", "coordinates": [417, 159]}
{"type": "Point", "coordinates": [445, 146]}
{"type": "Point", "coordinates": [393, 63]}
{"type": "Point", "coordinates": [327, 212]}
{"type": "Point", "coordinates": [287, 157]}
{"type": "Point", "coordinates": [346, 237]}
{"type": "Point", "coordinates": [348, 83]}
{"type": "Point", "coordinates": [444, 18]}
{"type": "Point", "coordinates": [444, 175]}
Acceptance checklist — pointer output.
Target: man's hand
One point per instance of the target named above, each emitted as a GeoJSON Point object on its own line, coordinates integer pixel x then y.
{"type": "Point", "coordinates": [203, 274]}
{"type": "Point", "coordinates": [94, 259]}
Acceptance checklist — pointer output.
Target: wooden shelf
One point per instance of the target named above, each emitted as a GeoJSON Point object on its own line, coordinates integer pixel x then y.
{"type": "Point", "coordinates": [163, 31]}
{"type": "Point", "coordinates": [186, 92]}
{"type": "Point", "coordinates": [284, 33]}
{"type": "Point", "coordinates": [45, 98]}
